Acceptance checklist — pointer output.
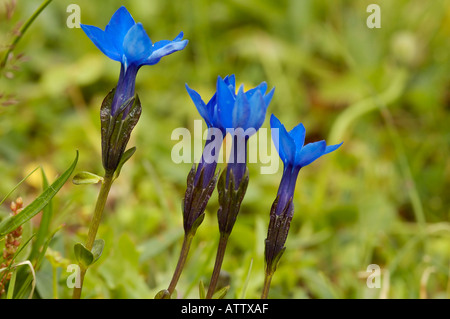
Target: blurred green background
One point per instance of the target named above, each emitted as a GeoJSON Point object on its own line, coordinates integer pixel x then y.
{"type": "Point", "coordinates": [383, 198]}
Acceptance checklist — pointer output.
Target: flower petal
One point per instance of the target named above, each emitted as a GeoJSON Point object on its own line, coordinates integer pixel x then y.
{"type": "Point", "coordinates": [310, 152]}
{"type": "Point", "coordinates": [241, 111]}
{"type": "Point", "coordinates": [298, 134]}
{"type": "Point", "coordinates": [200, 105]}
{"type": "Point", "coordinates": [332, 148]}
{"type": "Point", "coordinates": [258, 110]}
{"type": "Point", "coordinates": [102, 41]}
{"type": "Point", "coordinates": [179, 37]}
{"type": "Point", "coordinates": [137, 45]}
{"type": "Point", "coordinates": [230, 80]}
{"type": "Point", "coordinates": [119, 25]}
{"type": "Point", "coordinates": [283, 142]}
{"type": "Point", "coordinates": [163, 48]}
{"type": "Point", "coordinates": [225, 104]}
{"type": "Point", "coordinates": [268, 96]}
{"type": "Point", "coordinates": [262, 88]}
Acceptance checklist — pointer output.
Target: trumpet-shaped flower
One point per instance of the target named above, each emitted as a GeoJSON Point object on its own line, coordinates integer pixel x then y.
{"type": "Point", "coordinates": [209, 110]}
{"type": "Point", "coordinates": [241, 114]}
{"type": "Point", "coordinates": [295, 155]}
{"type": "Point", "coordinates": [244, 110]}
{"type": "Point", "coordinates": [126, 41]}
{"type": "Point", "coordinates": [214, 141]}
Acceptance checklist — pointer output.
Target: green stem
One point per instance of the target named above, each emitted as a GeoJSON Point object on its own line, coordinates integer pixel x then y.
{"type": "Point", "coordinates": [95, 223]}
{"type": "Point", "coordinates": [22, 31]}
{"type": "Point", "coordinates": [267, 281]}
{"type": "Point", "coordinates": [218, 265]}
{"type": "Point", "coordinates": [181, 261]}
{"type": "Point", "coordinates": [55, 282]}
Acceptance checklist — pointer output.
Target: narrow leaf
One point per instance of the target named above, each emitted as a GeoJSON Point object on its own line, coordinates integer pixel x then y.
{"type": "Point", "coordinates": [11, 223]}
{"type": "Point", "coordinates": [30, 277]}
{"type": "Point", "coordinates": [12, 283]}
{"type": "Point", "coordinates": [15, 187]}
{"type": "Point", "coordinates": [201, 290]}
{"type": "Point", "coordinates": [125, 157]}
{"type": "Point", "coordinates": [44, 225]}
{"type": "Point", "coordinates": [85, 178]}
{"type": "Point", "coordinates": [221, 293]}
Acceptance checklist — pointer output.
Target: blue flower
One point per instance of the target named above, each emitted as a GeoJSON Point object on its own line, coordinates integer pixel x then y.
{"type": "Point", "coordinates": [210, 153]}
{"type": "Point", "coordinates": [295, 155]}
{"type": "Point", "coordinates": [126, 41]}
{"type": "Point", "coordinates": [241, 114]}
{"type": "Point", "coordinates": [209, 110]}
{"type": "Point", "coordinates": [245, 110]}
{"type": "Point", "coordinates": [228, 111]}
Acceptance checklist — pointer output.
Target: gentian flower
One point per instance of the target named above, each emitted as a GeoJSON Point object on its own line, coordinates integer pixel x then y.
{"type": "Point", "coordinates": [201, 181]}
{"type": "Point", "coordinates": [241, 115]}
{"type": "Point", "coordinates": [295, 155]}
{"type": "Point", "coordinates": [216, 132]}
{"type": "Point", "coordinates": [126, 41]}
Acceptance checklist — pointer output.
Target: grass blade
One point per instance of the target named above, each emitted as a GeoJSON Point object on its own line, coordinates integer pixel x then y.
{"type": "Point", "coordinates": [15, 187]}
{"type": "Point", "coordinates": [12, 222]}
{"type": "Point", "coordinates": [44, 225]}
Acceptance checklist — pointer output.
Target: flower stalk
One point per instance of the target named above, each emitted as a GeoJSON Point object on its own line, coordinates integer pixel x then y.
{"type": "Point", "coordinates": [181, 262]}
{"type": "Point", "coordinates": [125, 41]}
{"type": "Point", "coordinates": [295, 155]}
{"type": "Point", "coordinates": [223, 240]}
{"type": "Point", "coordinates": [94, 225]}
{"type": "Point", "coordinates": [200, 185]}
{"type": "Point", "coordinates": [230, 199]}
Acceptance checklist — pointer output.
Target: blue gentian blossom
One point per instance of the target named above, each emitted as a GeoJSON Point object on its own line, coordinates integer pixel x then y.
{"type": "Point", "coordinates": [214, 140]}
{"type": "Point", "coordinates": [126, 41]}
{"type": "Point", "coordinates": [209, 111]}
{"type": "Point", "coordinates": [295, 155]}
{"type": "Point", "coordinates": [245, 110]}
{"type": "Point", "coordinates": [241, 114]}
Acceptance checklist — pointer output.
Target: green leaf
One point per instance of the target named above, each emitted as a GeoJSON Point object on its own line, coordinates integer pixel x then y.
{"type": "Point", "coordinates": [29, 277]}
{"type": "Point", "coordinates": [221, 293]}
{"type": "Point", "coordinates": [87, 257]}
{"type": "Point", "coordinates": [83, 255]}
{"type": "Point", "coordinates": [44, 225]}
{"type": "Point", "coordinates": [247, 280]}
{"type": "Point", "coordinates": [84, 178]}
{"type": "Point", "coordinates": [15, 187]}
{"type": "Point", "coordinates": [12, 283]}
{"type": "Point", "coordinates": [97, 249]}
{"type": "Point", "coordinates": [125, 157]}
{"type": "Point", "coordinates": [163, 294]}
{"type": "Point", "coordinates": [11, 223]}
{"type": "Point", "coordinates": [201, 290]}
